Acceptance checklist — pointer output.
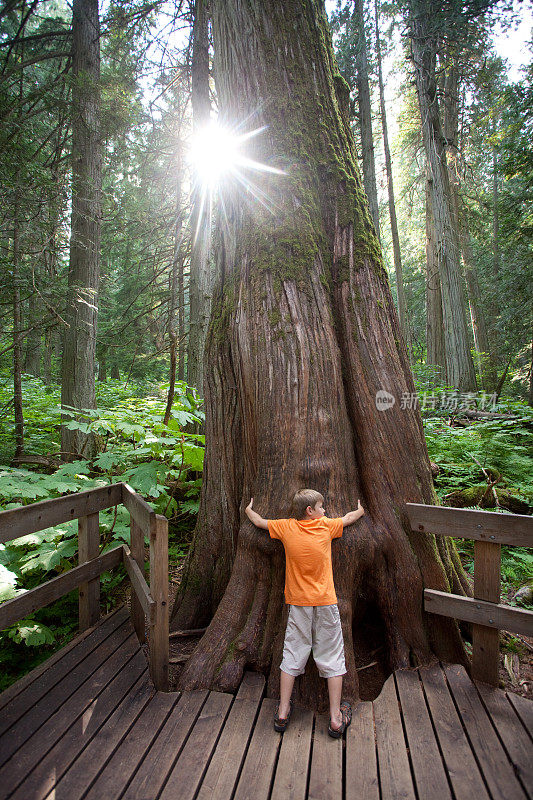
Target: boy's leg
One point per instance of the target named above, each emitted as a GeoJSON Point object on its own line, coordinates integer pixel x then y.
{"type": "Point", "coordinates": [335, 692]}
{"type": "Point", "coordinates": [286, 683]}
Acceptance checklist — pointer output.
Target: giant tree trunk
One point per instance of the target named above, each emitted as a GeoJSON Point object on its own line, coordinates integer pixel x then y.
{"type": "Point", "coordinates": [365, 116]}
{"type": "Point", "coordinates": [303, 335]}
{"type": "Point", "coordinates": [79, 342]}
{"type": "Point", "coordinates": [200, 283]}
{"type": "Point", "coordinates": [459, 363]}
{"type": "Point", "coordinates": [435, 345]}
{"type": "Point", "coordinates": [402, 303]}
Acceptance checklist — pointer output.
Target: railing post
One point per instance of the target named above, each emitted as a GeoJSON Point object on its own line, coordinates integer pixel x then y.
{"type": "Point", "coordinates": [89, 592]}
{"type": "Point", "coordinates": [486, 641]}
{"type": "Point", "coordinates": [137, 553]}
{"type": "Point", "coordinates": [159, 592]}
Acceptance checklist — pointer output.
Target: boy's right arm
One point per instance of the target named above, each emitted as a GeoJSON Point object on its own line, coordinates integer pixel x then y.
{"type": "Point", "coordinates": [254, 517]}
{"type": "Point", "coordinates": [353, 516]}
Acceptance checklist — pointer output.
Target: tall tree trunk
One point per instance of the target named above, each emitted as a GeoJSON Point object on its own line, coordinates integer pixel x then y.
{"type": "Point", "coordinates": [79, 342]}
{"type": "Point", "coordinates": [177, 267]}
{"type": "Point", "coordinates": [200, 283]}
{"type": "Point", "coordinates": [102, 365]}
{"type": "Point", "coordinates": [32, 356]}
{"type": "Point", "coordinates": [17, 334]}
{"type": "Point", "coordinates": [459, 363]}
{"type": "Point", "coordinates": [365, 116]}
{"type": "Point", "coordinates": [303, 335]}
{"type": "Point", "coordinates": [402, 303]}
{"type": "Point", "coordinates": [181, 321]}
{"type": "Point", "coordinates": [475, 303]}
{"type": "Point", "coordinates": [17, 311]}
{"type": "Point", "coordinates": [47, 355]}
{"type": "Point", "coordinates": [495, 217]}
{"type": "Point", "coordinates": [436, 349]}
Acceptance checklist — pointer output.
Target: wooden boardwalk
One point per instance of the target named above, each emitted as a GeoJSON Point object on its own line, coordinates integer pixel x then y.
{"type": "Point", "coordinates": [89, 724]}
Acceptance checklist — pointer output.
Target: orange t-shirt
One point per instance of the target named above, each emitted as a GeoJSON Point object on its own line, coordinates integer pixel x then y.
{"type": "Point", "coordinates": [308, 569]}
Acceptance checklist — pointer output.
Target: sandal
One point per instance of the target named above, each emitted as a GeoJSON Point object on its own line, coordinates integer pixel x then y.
{"type": "Point", "coordinates": [346, 711]}
{"type": "Point", "coordinates": [280, 723]}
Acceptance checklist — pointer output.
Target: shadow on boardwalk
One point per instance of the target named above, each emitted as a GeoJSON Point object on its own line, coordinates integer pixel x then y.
{"type": "Point", "coordinates": [89, 724]}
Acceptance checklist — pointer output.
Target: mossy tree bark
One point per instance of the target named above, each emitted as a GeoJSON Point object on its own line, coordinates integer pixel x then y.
{"type": "Point", "coordinates": [303, 335]}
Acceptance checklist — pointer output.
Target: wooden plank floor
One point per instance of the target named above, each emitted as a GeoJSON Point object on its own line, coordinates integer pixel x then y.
{"type": "Point", "coordinates": [89, 724]}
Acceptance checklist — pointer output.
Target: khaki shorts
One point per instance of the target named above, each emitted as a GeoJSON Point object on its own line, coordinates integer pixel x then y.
{"type": "Point", "coordinates": [317, 629]}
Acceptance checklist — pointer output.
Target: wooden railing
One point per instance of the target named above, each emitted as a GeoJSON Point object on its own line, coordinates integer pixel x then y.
{"type": "Point", "coordinates": [487, 615]}
{"type": "Point", "coordinates": [151, 602]}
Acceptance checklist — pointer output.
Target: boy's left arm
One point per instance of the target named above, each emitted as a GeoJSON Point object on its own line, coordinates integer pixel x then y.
{"type": "Point", "coordinates": [353, 516]}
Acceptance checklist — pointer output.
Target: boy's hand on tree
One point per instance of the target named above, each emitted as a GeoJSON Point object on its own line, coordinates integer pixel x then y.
{"type": "Point", "coordinates": [360, 508]}
{"type": "Point", "coordinates": [254, 517]}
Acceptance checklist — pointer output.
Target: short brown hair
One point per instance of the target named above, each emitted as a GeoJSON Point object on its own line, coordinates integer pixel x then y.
{"type": "Point", "coordinates": [302, 499]}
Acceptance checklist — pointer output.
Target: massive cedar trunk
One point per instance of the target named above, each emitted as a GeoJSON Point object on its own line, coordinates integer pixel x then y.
{"type": "Point", "coordinates": [79, 338]}
{"type": "Point", "coordinates": [303, 335]}
{"type": "Point", "coordinates": [423, 32]}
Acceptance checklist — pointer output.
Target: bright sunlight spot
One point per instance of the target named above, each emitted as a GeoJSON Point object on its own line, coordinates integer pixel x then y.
{"type": "Point", "coordinates": [217, 153]}
{"type": "Point", "coordinates": [214, 152]}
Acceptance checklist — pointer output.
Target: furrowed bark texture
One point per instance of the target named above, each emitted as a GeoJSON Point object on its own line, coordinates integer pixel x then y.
{"type": "Point", "coordinates": [303, 335]}
{"type": "Point", "coordinates": [79, 343]}
{"type": "Point", "coordinates": [423, 34]}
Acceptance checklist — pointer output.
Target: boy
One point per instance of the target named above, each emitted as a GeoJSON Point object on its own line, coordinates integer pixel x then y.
{"type": "Point", "coordinates": [314, 621]}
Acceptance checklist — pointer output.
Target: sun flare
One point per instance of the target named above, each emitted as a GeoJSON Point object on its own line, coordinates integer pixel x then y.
{"type": "Point", "coordinates": [217, 153]}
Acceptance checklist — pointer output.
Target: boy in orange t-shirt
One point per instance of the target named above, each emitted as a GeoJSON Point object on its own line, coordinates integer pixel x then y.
{"type": "Point", "coordinates": [314, 621]}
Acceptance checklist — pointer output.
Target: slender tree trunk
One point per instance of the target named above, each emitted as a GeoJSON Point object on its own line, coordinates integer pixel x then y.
{"type": "Point", "coordinates": [303, 336]}
{"type": "Point", "coordinates": [436, 350]}
{"type": "Point", "coordinates": [402, 303]}
{"type": "Point", "coordinates": [17, 335]}
{"type": "Point", "coordinates": [181, 321]}
{"type": "Point", "coordinates": [102, 365]}
{"type": "Point", "coordinates": [32, 357]}
{"type": "Point", "coordinates": [115, 372]}
{"type": "Point", "coordinates": [79, 344]}
{"type": "Point", "coordinates": [47, 355]}
{"type": "Point", "coordinates": [17, 311]}
{"type": "Point", "coordinates": [200, 283]}
{"type": "Point", "coordinates": [365, 116]}
{"type": "Point", "coordinates": [459, 363]}
{"type": "Point", "coordinates": [177, 267]}
{"type": "Point", "coordinates": [495, 217]}
{"type": "Point", "coordinates": [530, 395]}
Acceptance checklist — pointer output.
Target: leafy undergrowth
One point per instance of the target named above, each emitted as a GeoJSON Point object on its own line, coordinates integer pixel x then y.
{"type": "Point", "coordinates": [162, 462]}
{"type": "Point", "coordinates": [481, 461]}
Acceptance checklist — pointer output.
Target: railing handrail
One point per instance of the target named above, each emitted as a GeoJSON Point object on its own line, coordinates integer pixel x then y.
{"type": "Point", "coordinates": [487, 615]}
{"type": "Point", "coordinates": [465, 523]}
{"type": "Point", "coordinates": [85, 506]}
